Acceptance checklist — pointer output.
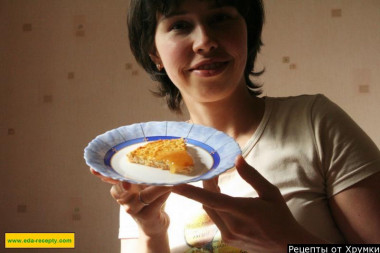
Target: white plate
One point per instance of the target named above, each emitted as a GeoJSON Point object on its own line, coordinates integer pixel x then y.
{"type": "Point", "coordinates": [213, 152]}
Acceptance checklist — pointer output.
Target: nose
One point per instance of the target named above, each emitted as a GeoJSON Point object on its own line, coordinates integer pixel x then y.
{"type": "Point", "coordinates": [204, 41]}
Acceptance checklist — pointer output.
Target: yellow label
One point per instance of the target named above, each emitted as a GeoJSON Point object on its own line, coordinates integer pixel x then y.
{"type": "Point", "coordinates": [39, 240]}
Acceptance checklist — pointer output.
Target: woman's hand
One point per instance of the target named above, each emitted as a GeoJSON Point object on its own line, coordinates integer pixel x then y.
{"type": "Point", "coordinates": [143, 203]}
{"type": "Point", "coordinates": [262, 224]}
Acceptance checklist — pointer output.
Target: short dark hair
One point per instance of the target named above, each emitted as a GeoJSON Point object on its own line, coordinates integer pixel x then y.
{"type": "Point", "coordinates": [142, 23]}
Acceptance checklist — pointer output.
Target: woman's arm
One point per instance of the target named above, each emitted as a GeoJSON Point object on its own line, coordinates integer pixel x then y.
{"type": "Point", "coordinates": [151, 218]}
{"type": "Point", "coordinates": [144, 204]}
{"type": "Point", "coordinates": [356, 211]}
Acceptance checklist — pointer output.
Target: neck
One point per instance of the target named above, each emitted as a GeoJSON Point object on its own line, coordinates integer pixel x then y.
{"type": "Point", "coordinates": [237, 116]}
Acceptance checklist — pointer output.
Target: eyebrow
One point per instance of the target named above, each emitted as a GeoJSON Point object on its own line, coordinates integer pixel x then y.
{"type": "Point", "coordinates": [174, 13]}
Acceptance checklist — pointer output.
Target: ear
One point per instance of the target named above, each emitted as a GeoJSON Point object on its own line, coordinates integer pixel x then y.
{"type": "Point", "coordinates": [155, 57]}
{"type": "Point", "coordinates": [157, 60]}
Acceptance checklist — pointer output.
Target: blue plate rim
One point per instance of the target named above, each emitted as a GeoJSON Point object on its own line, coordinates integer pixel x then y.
{"type": "Point", "coordinates": [106, 169]}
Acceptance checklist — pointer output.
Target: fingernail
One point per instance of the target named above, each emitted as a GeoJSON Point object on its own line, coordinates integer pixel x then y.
{"type": "Point", "coordinates": [125, 185]}
{"type": "Point", "coordinates": [94, 171]}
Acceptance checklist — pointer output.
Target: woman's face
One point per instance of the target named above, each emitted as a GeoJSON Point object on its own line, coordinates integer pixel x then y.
{"type": "Point", "coordinates": [203, 48]}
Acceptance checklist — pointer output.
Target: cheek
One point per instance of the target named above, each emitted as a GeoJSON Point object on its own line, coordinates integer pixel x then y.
{"type": "Point", "coordinates": [240, 48]}
{"type": "Point", "coordinates": [234, 40]}
{"type": "Point", "coordinates": [239, 44]}
{"type": "Point", "coordinates": [170, 55]}
{"type": "Point", "coordinates": [174, 58]}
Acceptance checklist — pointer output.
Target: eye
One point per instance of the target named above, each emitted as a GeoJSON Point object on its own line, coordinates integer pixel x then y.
{"type": "Point", "coordinates": [220, 17]}
{"type": "Point", "coordinates": [180, 26]}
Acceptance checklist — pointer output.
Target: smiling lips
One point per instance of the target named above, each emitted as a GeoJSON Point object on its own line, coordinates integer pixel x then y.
{"type": "Point", "coordinates": [209, 69]}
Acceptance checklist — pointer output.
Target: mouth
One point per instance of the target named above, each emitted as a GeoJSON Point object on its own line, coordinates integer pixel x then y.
{"type": "Point", "coordinates": [209, 68]}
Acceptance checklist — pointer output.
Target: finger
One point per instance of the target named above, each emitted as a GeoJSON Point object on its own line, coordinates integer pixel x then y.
{"type": "Point", "coordinates": [94, 172]}
{"type": "Point", "coordinates": [158, 203]}
{"type": "Point", "coordinates": [118, 192]}
{"type": "Point", "coordinates": [126, 186]}
{"type": "Point", "coordinates": [262, 186]}
{"type": "Point", "coordinates": [128, 199]}
{"type": "Point", "coordinates": [109, 180]}
{"type": "Point", "coordinates": [216, 218]}
{"type": "Point", "coordinates": [211, 184]}
{"type": "Point", "coordinates": [214, 200]}
{"type": "Point", "coordinates": [152, 208]}
{"type": "Point", "coordinates": [103, 178]}
{"type": "Point", "coordinates": [151, 193]}
{"type": "Point", "coordinates": [141, 210]}
{"type": "Point", "coordinates": [227, 223]}
{"type": "Point", "coordinates": [121, 198]}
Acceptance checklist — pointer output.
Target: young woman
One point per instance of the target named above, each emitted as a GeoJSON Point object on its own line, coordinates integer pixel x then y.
{"type": "Point", "coordinates": [308, 173]}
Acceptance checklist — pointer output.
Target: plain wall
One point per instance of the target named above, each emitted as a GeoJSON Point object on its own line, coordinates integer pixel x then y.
{"type": "Point", "coordinates": [67, 75]}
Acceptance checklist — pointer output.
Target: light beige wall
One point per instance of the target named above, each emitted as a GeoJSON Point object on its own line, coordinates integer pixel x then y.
{"type": "Point", "coordinates": [70, 76]}
{"type": "Point", "coordinates": [333, 47]}
{"type": "Point", "coordinates": [63, 82]}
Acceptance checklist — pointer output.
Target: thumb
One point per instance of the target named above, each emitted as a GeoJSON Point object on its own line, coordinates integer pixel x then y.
{"type": "Point", "coordinates": [262, 186]}
{"type": "Point", "coordinates": [211, 184]}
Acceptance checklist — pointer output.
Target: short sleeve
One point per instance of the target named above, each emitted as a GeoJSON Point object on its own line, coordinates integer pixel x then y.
{"type": "Point", "coordinates": [347, 154]}
{"type": "Point", "coordinates": [128, 228]}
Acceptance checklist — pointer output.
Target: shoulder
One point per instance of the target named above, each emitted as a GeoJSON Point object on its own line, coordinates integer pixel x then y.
{"type": "Point", "coordinates": [315, 108]}
{"type": "Point", "coordinates": [304, 99]}
{"type": "Point", "coordinates": [292, 102]}
{"type": "Point", "coordinates": [293, 109]}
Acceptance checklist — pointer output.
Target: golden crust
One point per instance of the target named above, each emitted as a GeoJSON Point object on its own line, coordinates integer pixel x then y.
{"type": "Point", "coordinates": [169, 155]}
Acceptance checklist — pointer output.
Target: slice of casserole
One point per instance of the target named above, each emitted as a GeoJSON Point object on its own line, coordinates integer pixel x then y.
{"type": "Point", "coordinates": [169, 155]}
